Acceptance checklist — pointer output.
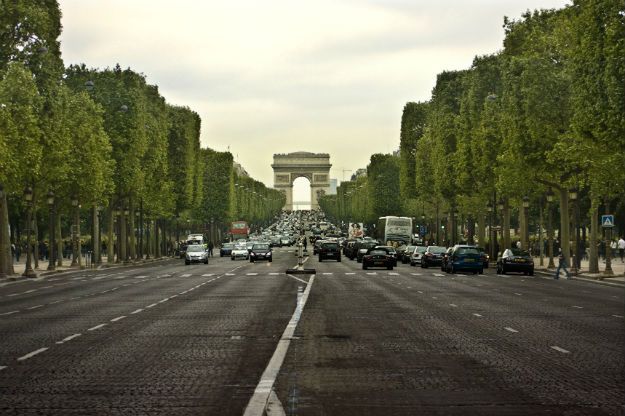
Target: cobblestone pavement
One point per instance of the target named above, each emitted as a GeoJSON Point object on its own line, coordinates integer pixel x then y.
{"type": "Point", "coordinates": [170, 339]}
{"type": "Point", "coordinates": [164, 339]}
{"type": "Point", "coordinates": [422, 342]}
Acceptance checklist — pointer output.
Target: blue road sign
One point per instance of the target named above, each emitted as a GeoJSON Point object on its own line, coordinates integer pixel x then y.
{"type": "Point", "coordinates": [607, 221]}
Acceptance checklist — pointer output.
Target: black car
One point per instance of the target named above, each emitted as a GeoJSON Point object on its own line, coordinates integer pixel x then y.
{"type": "Point", "coordinates": [515, 260]}
{"type": "Point", "coordinates": [390, 250]}
{"type": "Point", "coordinates": [363, 248]}
{"type": "Point", "coordinates": [261, 251]}
{"type": "Point", "coordinates": [433, 256]}
{"type": "Point", "coordinates": [317, 245]}
{"type": "Point", "coordinates": [226, 249]}
{"type": "Point", "coordinates": [378, 257]}
{"type": "Point", "coordinates": [485, 257]}
{"type": "Point", "coordinates": [329, 250]}
{"type": "Point", "coordinates": [405, 254]}
{"type": "Point", "coordinates": [445, 258]}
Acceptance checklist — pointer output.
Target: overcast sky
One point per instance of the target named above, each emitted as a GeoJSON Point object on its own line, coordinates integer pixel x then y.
{"type": "Point", "coordinates": [271, 76]}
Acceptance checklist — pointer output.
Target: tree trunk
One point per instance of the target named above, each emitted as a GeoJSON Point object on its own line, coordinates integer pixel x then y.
{"type": "Point", "coordinates": [59, 241]}
{"type": "Point", "coordinates": [6, 257]}
{"type": "Point", "coordinates": [110, 246]}
{"type": "Point", "coordinates": [565, 242]}
{"type": "Point", "coordinates": [505, 228]}
{"type": "Point", "coordinates": [481, 230]}
{"type": "Point", "coordinates": [35, 233]}
{"type": "Point", "coordinates": [131, 230]}
{"type": "Point", "coordinates": [593, 258]}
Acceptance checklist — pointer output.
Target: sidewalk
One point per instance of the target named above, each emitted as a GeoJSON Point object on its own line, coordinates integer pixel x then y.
{"type": "Point", "coordinates": [42, 270]}
{"type": "Point", "coordinates": [618, 268]}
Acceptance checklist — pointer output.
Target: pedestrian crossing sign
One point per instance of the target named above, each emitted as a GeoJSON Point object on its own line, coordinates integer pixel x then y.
{"type": "Point", "coordinates": [607, 221]}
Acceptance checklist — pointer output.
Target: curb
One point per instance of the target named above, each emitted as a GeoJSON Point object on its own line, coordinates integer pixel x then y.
{"type": "Point", "coordinates": [549, 275]}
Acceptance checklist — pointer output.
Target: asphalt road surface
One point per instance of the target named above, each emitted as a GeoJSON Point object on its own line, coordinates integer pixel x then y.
{"type": "Point", "coordinates": [170, 339]}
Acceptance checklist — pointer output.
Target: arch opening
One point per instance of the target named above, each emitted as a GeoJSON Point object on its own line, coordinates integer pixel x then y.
{"type": "Point", "coordinates": [301, 194]}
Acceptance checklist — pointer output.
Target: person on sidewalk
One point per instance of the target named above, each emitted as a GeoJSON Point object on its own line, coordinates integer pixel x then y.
{"type": "Point", "coordinates": [562, 265]}
{"type": "Point", "coordinates": [621, 248]}
{"type": "Point", "coordinates": [210, 248]}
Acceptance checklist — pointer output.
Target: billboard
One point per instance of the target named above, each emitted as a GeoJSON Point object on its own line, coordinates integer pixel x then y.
{"type": "Point", "coordinates": [355, 230]}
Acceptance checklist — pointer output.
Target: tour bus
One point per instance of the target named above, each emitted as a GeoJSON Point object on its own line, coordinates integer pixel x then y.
{"type": "Point", "coordinates": [239, 230]}
{"type": "Point", "coordinates": [394, 230]}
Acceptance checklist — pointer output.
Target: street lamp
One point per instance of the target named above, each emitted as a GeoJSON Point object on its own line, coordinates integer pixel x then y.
{"type": "Point", "coordinates": [550, 197]}
{"type": "Point", "coordinates": [526, 230]}
{"type": "Point", "coordinates": [51, 256]}
{"type": "Point", "coordinates": [28, 200]}
{"type": "Point", "coordinates": [575, 262]}
{"type": "Point", "coordinates": [75, 253]}
{"type": "Point", "coordinates": [491, 244]}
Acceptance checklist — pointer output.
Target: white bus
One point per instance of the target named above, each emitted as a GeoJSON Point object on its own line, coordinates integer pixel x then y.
{"type": "Point", "coordinates": [394, 230]}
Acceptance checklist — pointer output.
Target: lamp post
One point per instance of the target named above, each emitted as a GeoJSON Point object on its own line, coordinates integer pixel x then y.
{"type": "Point", "coordinates": [117, 215]}
{"type": "Point", "coordinates": [444, 227]}
{"type": "Point", "coordinates": [526, 230]}
{"type": "Point", "coordinates": [574, 262]}
{"type": "Point", "coordinates": [501, 206]}
{"type": "Point", "coordinates": [28, 200]}
{"type": "Point", "coordinates": [97, 246]}
{"type": "Point", "coordinates": [491, 244]}
{"type": "Point", "coordinates": [454, 226]}
{"type": "Point", "coordinates": [51, 256]}
{"type": "Point", "coordinates": [124, 226]}
{"type": "Point", "coordinates": [551, 264]}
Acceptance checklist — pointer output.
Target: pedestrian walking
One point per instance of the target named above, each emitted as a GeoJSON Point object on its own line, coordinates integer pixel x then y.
{"type": "Point", "coordinates": [210, 248]}
{"type": "Point", "coordinates": [562, 265]}
{"type": "Point", "coordinates": [613, 247]}
{"type": "Point", "coordinates": [621, 248]}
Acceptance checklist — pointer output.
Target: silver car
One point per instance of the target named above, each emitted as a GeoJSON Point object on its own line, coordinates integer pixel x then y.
{"type": "Point", "coordinates": [417, 255]}
{"type": "Point", "coordinates": [196, 253]}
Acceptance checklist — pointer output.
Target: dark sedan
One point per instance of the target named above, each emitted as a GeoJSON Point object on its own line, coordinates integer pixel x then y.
{"type": "Point", "coordinates": [226, 249]}
{"type": "Point", "coordinates": [406, 253]}
{"type": "Point", "coordinates": [515, 260]}
{"type": "Point", "coordinates": [261, 251]}
{"type": "Point", "coordinates": [378, 257]}
{"type": "Point", "coordinates": [433, 256]}
{"type": "Point", "coordinates": [465, 258]}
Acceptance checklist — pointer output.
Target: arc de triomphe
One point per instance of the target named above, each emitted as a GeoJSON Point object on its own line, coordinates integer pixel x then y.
{"type": "Point", "coordinates": [313, 166]}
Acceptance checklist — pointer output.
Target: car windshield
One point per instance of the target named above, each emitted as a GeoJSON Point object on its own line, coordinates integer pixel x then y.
{"type": "Point", "coordinates": [240, 247]}
{"type": "Point", "coordinates": [437, 249]}
{"type": "Point", "coordinates": [420, 249]}
{"type": "Point", "coordinates": [409, 249]}
{"type": "Point", "coordinates": [261, 247]}
{"type": "Point", "coordinates": [466, 250]}
{"type": "Point", "coordinates": [378, 252]}
{"type": "Point", "coordinates": [195, 248]}
{"type": "Point", "coordinates": [229, 245]}
{"type": "Point", "coordinates": [517, 252]}
{"type": "Point", "coordinates": [330, 245]}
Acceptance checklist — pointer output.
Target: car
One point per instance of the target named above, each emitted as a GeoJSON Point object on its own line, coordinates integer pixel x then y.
{"type": "Point", "coordinates": [390, 250]}
{"type": "Point", "coordinates": [239, 252]}
{"type": "Point", "coordinates": [363, 248]}
{"type": "Point", "coordinates": [285, 242]}
{"type": "Point", "coordinates": [196, 253]}
{"type": "Point", "coordinates": [182, 250]}
{"type": "Point", "coordinates": [445, 258]}
{"type": "Point", "coordinates": [378, 257]}
{"type": "Point", "coordinates": [350, 249]}
{"type": "Point", "coordinates": [433, 256]}
{"type": "Point", "coordinates": [485, 257]}
{"type": "Point", "coordinates": [515, 260]}
{"type": "Point", "coordinates": [463, 257]}
{"type": "Point", "coordinates": [417, 255]}
{"type": "Point", "coordinates": [275, 242]}
{"type": "Point", "coordinates": [405, 254]}
{"type": "Point", "coordinates": [226, 249]}
{"type": "Point", "coordinates": [261, 251]}
{"type": "Point", "coordinates": [329, 250]}
{"type": "Point", "coordinates": [317, 245]}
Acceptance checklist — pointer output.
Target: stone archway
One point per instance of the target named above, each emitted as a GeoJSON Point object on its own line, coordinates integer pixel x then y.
{"type": "Point", "coordinates": [313, 166]}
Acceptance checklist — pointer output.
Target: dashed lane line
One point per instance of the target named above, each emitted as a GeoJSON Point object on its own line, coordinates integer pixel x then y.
{"type": "Point", "coordinates": [618, 316]}
{"type": "Point", "coordinates": [507, 328]}
{"type": "Point", "coordinates": [251, 274]}
{"type": "Point", "coordinates": [119, 318]}
{"type": "Point", "coordinates": [372, 273]}
{"type": "Point", "coordinates": [350, 273]}
{"type": "Point", "coordinates": [136, 311]}
{"type": "Point", "coordinates": [35, 307]}
{"type": "Point", "coordinates": [9, 313]}
{"type": "Point", "coordinates": [151, 306]}
{"type": "Point", "coordinates": [185, 275]}
{"type": "Point", "coordinates": [95, 328]}
{"type": "Point", "coordinates": [577, 307]}
{"type": "Point", "coordinates": [393, 274]}
{"type": "Point", "coordinates": [327, 273]}
{"type": "Point", "coordinates": [416, 274]}
{"type": "Point", "coordinates": [208, 275]}
{"type": "Point", "coordinates": [71, 337]}
{"type": "Point", "coordinates": [32, 354]}
{"type": "Point", "coordinates": [163, 300]}
{"type": "Point", "coordinates": [453, 305]}
{"type": "Point", "coordinates": [560, 349]}
{"type": "Point", "coordinates": [420, 291]}
{"type": "Point", "coordinates": [519, 294]}
{"type": "Point", "coordinates": [477, 314]}
{"type": "Point", "coordinates": [438, 275]}
{"type": "Point", "coordinates": [274, 274]}
{"type": "Point", "coordinates": [2, 367]}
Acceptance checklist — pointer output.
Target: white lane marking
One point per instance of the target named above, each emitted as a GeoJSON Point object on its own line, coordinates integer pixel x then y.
{"type": "Point", "coordinates": [207, 274]}
{"type": "Point", "coordinates": [96, 327]}
{"type": "Point", "coordinates": [417, 274]}
{"type": "Point", "coordinates": [420, 291]}
{"type": "Point", "coordinates": [9, 313]}
{"type": "Point", "coordinates": [71, 337]}
{"type": "Point", "coordinates": [372, 273]}
{"type": "Point", "coordinates": [173, 296]}
{"type": "Point", "coordinates": [477, 314]}
{"type": "Point", "coordinates": [136, 311]}
{"type": "Point", "coordinates": [252, 274]}
{"type": "Point", "coordinates": [77, 278]}
{"type": "Point", "coordinates": [35, 307]}
{"type": "Point", "coordinates": [55, 302]}
{"type": "Point", "coordinates": [258, 401]}
{"type": "Point", "coordinates": [141, 277]}
{"type": "Point", "coordinates": [165, 275]}
{"type": "Point", "coordinates": [163, 300]}
{"type": "Point", "coordinates": [47, 287]}
{"type": "Point", "coordinates": [577, 307]}
{"type": "Point", "coordinates": [13, 294]}
{"type": "Point", "coordinates": [562, 350]}
{"type": "Point", "coordinates": [273, 274]}
{"type": "Point", "coordinates": [151, 306]}
{"type": "Point", "coordinates": [438, 275]}
{"type": "Point", "coordinates": [453, 305]}
{"type": "Point", "coordinates": [32, 354]}
{"type": "Point", "coordinates": [327, 273]}
{"type": "Point", "coordinates": [507, 328]}
{"type": "Point", "coordinates": [185, 275]}
{"type": "Point", "coordinates": [393, 274]}
{"type": "Point", "coordinates": [519, 294]}
{"type": "Point", "coordinates": [182, 293]}
{"type": "Point", "coordinates": [297, 278]}
{"type": "Point", "coordinates": [617, 316]}
{"type": "Point", "coordinates": [119, 318]}
{"type": "Point", "coordinates": [115, 288]}
{"type": "Point", "coordinates": [230, 274]}
{"type": "Point", "coordinates": [30, 291]}
{"type": "Point", "coordinates": [350, 273]}
{"type": "Point", "coordinates": [2, 367]}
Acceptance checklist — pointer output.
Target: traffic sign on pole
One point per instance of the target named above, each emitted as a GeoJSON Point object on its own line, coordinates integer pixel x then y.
{"type": "Point", "coordinates": [607, 221]}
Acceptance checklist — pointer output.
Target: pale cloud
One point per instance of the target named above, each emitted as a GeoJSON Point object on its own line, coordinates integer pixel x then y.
{"type": "Point", "coordinates": [280, 76]}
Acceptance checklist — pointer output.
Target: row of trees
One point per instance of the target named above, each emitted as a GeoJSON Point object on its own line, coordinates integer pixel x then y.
{"type": "Point", "coordinates": [544, 115]}
{"type": "Point", "coordinates": [104, 142]}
